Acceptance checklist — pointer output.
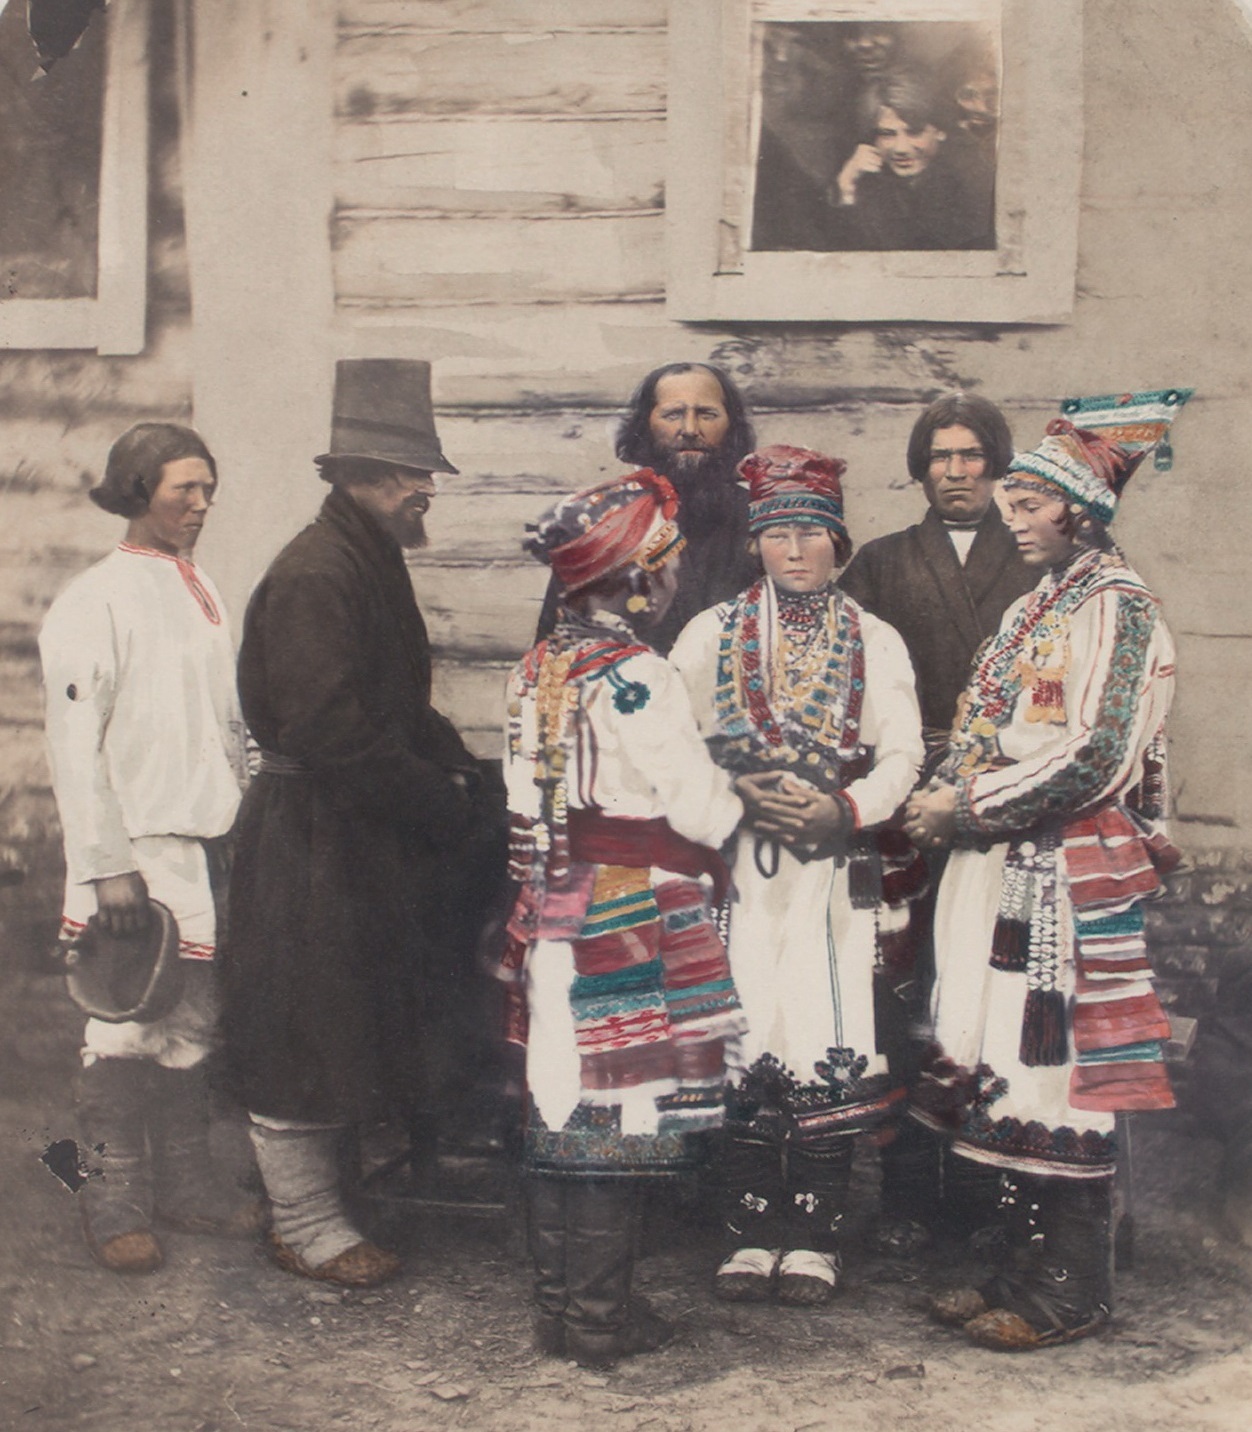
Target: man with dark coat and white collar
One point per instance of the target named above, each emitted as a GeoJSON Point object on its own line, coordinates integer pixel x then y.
{"type": "Point", "coordinates": [944, 584]}
{"type": "Point", "coordinates": [351, 837]}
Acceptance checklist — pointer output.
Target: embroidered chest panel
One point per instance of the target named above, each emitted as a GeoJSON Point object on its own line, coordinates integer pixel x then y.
{"type": "Point", "coordinates": [790, 693]}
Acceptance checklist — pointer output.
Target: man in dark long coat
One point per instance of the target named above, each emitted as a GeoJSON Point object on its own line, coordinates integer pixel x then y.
{"type": "Point", "coordinates": [944, 584]}
{"type": "Point", "coordinates": [351, 834]}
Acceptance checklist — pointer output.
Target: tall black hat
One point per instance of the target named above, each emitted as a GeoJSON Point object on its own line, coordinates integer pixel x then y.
{"type": "Point", "coordinates": [383, 412]}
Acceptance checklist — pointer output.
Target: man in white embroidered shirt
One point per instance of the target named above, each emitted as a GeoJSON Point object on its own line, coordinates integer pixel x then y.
{"type": "Point", "coordinates": [145, 743]}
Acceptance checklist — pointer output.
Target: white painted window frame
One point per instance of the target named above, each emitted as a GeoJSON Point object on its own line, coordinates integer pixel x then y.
{"type": "Point", "coordinates": [114, 322]}
{"type": "Point", "coordinates": [1028, 278]}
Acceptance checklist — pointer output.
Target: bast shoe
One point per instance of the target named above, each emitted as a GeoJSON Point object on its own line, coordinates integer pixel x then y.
{"type": "Point", "coordinates": [134, 1252]}
{"type": "Point", "coordinates": [747, 1276]}
{"type": "Point", "coordinates": [957, 1307]}
{"type": "Point", "coordinates": [644, 1331]}
{"type": "Point", "coordinates": [807, 1279]}
{"type": "Point", "coordinates": [1005, 1331]}
{"type": "Point", "coordinates": [364, 1265]}
{"type": "Point", "coordinates": [900, 1238]}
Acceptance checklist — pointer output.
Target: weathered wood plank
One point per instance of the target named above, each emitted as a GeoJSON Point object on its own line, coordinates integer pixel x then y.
{"type": "Point", "coordinates": [472, 695]}
{"type": "Point", "coordinates": [72, 389]}
{"type": "Point", "coordinates": [480, 612]}
{"type": "Point", "coordinates": [378, 76]}
{"type": "Point", "coordinates": [499, 261]}
{"type": "Point", "coordinates": [581, 355]}
{"type": "Point", "coordinates": [487, 526]}
{"type": "Point", "coordinates": [539, 453]}
{"type": "Point", "coordinates": [501, 163]}
{"type": "Point", "coordinates": [508, 15]}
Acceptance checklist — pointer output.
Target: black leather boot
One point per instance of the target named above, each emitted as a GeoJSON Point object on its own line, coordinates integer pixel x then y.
{"type": "Point", "coordinates": [602, 1322]}
{"type": "Point", "coordinates": [1059, 1283]}
{"type": "Point", "coordinates": [545, 1227]}
{"type": "Point", "coordinates": [113, 1097]}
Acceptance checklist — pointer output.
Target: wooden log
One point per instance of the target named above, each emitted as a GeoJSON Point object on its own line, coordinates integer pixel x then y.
{"type": "Point", "coordinates": [484, 16]}
{"type": "Point", "coordinates": [471, 694]}
{"type": "Point", "coordinates": [480, 261]}
{"type": "Point", "coordinates": [479, 611]}
{"type": "Point", "coordinates": [501, 163]}
{"type": "Point", "coordinates": [379, 75]}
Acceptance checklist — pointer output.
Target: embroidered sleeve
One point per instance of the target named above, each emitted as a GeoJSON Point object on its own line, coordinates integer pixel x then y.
{"type": "Point", "coordinates": [891, 724]}
{"type": "Point", "coordinates": [78, 650]}
{"type": "Point", "coordinates": [661, 741]}
{"type": "Point", "coordinates": [1109, 713]}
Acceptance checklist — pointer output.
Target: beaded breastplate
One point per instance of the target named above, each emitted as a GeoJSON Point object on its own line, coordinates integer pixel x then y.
{"type": "Point", "coordinates": [791, 686]}
{"type": "Point", "coordinates": [1032, 655]}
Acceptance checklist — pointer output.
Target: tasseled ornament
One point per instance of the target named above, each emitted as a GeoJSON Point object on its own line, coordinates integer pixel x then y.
{"type": "Point", "coordinates": [1010, 938]}
{"type": "Point", "coordinates": [1043, 1028]}
{"type": "Point", "coordinates": [1010, 944]}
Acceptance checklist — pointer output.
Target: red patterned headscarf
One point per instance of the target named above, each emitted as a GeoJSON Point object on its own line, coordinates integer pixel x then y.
{"type": "Point", "coordinates": [792, 484]}
{"type": "Point", "coordinates": [624, 521]}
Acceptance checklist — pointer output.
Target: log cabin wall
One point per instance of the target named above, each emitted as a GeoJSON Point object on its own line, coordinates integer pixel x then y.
{"type": "Point", "coordinates": [499, 173]}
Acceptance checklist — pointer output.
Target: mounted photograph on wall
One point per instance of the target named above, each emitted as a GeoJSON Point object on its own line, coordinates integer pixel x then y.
{"type": "Point", "coordinates": [874, 161]}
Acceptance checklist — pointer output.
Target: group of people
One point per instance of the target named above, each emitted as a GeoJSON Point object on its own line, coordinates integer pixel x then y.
{"type": "Point", "coordinates": [800, 849]}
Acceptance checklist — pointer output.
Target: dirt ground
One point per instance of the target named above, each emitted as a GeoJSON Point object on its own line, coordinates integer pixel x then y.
{"type": "Point", "coordinates": [221, 1340]}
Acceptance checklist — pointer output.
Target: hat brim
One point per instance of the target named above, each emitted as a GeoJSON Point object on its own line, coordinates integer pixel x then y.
{"type": "Point", "coordinates": [146, 965]}
{"type": "Point", "coordinates": [439, 464]}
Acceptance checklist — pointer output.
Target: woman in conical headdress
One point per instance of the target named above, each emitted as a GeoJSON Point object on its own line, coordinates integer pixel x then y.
{"type": "Point", "coordinates": [1044, 1018]}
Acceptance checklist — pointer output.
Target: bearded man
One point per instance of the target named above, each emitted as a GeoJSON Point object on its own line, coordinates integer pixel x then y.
{"type": "Point", "coordinates": [352, 834]}
{"type": "Point", "coordinates": [688, 422]}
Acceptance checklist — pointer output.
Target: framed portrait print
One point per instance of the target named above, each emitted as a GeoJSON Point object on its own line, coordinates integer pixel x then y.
{"type": "Point", "coordinates": [882, 160]}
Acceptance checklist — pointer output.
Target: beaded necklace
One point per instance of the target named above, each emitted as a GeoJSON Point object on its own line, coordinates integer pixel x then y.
{"type": "Point", "coordinates": [790, 684]}
{"type": "Point", "coordinates": [1030, 654]}
{"type": "Point", "coordinates": [556, 672]}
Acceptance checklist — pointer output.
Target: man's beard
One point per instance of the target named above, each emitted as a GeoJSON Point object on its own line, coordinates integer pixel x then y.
{"type": "Point", "coordinates": [707, 499]}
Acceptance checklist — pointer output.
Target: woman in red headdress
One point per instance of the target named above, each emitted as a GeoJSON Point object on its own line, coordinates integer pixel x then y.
{"type": "Point", "coordinates": [622, 991]}
{"type": "Point", "coordinates": [1043, 1014]}
{"type": "Point", "coordinates": [810, 701]}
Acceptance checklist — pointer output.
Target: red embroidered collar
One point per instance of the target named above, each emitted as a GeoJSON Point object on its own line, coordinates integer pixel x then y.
{"type": "Point", "coordinates": [189, 573]}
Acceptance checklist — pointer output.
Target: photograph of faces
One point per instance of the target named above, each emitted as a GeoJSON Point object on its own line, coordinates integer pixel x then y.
{"type": "Point", "coordinates": [875, 136]}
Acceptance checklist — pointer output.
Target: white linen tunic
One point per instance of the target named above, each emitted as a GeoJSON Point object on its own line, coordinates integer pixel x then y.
{"type": "Point", "coordinates": [801, 956]}
{"type": "Point", "coordinates": [641, 764]}
{"type": "Point", "coordinates": [145, 742]}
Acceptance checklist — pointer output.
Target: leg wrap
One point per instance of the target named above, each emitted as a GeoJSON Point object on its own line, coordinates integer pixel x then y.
{"type": "Point", "coordinates": [817, 1178]}
{"type": "Point", "coordinates": [752, 1193]}
{"type": "Point", "coordinates": [113, 1098]}
{"type": "Point", "coordinates": [301, 1174]}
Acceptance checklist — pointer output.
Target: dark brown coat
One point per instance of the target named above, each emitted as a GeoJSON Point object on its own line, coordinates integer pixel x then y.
{"type": "Point", "coordinates": [342, 867]}
{"type": "Point", "coordinates": [944, 611]}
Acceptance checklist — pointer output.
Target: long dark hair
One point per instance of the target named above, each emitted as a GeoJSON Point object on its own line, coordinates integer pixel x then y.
{"type": "Point", "coordinates": [634, 438]}
{"type": "Point", "coordinates": [134, 464]}
{"type": "Point", "coordinates": [962, 410]}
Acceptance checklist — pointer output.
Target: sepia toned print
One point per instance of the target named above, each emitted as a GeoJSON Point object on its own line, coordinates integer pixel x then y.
{"type": "Point", "coordinates": [547, 204]}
